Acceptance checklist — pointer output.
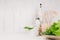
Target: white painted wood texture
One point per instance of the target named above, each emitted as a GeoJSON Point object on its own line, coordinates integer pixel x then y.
{"type": "Point", "coordinates": [15, 14]}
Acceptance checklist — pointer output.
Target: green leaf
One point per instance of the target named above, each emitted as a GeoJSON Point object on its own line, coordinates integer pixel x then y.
{"type": "Point", "coordinates": [28, 28]}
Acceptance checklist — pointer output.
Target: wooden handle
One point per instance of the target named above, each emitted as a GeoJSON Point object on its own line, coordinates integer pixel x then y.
{"type": "Point", "coordinates": [40, 30]}
{"type": "Point", "coordinates": [48, 37]}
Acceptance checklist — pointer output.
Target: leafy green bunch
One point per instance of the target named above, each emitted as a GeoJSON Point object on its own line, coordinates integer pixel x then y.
{"type": "Point", "coordinates": [54, 29]}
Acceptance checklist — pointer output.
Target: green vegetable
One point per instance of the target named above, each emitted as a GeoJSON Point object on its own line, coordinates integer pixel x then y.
{"type": "Point", "coordinates": [54, 29]}
{"type": "Point", "coordinates": [28, 28]}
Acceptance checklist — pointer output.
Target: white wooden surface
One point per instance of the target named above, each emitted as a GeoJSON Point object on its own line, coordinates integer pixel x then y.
{"type": "Point", "coordinates": [19, 36]}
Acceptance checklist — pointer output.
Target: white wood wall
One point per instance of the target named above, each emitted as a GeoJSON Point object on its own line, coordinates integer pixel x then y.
{"type": "Point", "coordinates": [15, 14]}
